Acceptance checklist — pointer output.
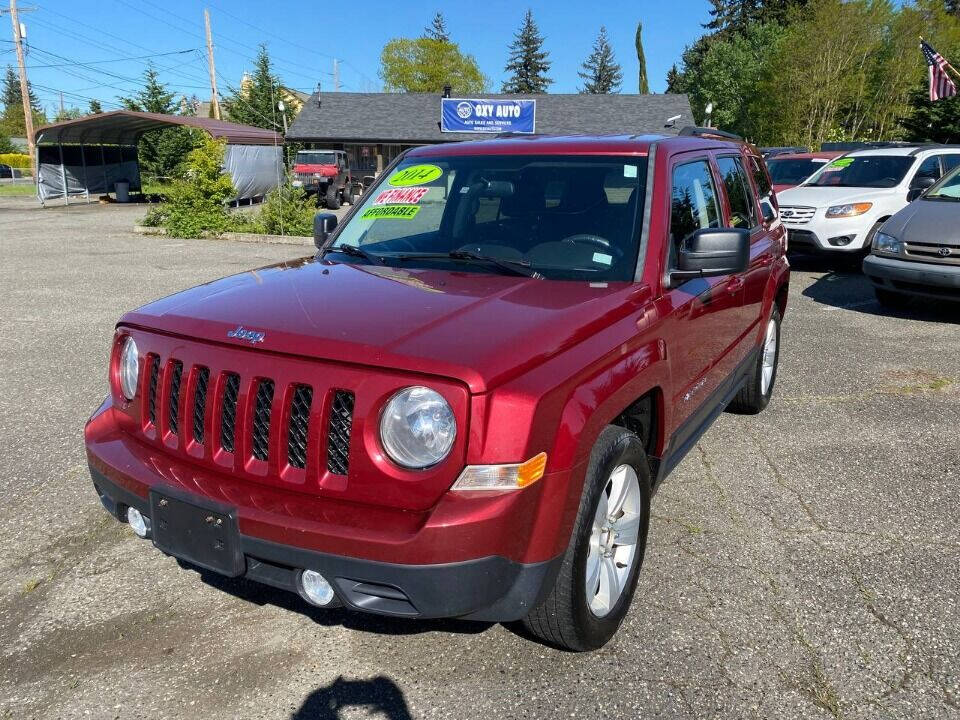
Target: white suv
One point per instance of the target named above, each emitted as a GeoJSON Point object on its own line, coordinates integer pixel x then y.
{"type": "Point", "coordinates": [841, 207]}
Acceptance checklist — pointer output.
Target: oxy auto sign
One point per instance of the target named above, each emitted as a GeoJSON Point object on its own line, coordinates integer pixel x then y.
{"type": "Point", "coordinates": [487, 116]}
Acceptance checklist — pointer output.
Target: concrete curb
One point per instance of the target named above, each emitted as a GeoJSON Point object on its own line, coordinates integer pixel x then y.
{"type": "Point", "coordinates": [236, 237]}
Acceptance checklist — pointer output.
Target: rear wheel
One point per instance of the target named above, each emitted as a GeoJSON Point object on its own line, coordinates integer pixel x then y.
{"type": "Point", "coordinates": [756, 394]}
{"type": "Point", "coordinates": [600, 568]}
{"type": "Point", "coordinates": [333, 198]}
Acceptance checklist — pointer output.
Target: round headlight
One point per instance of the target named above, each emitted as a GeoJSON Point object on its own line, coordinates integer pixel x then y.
{"type": "Point", "coordinates": [129, 368]}
{"type": "Point", "coordinates": [417, 427]}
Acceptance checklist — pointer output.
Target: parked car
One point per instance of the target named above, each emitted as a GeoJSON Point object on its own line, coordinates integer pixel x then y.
{"type": "Point", "coordinates": [326, 174]}
{"type": "Point", "coordinates": [6, 171]}
{"type": "Point", "coordinates": [842, 206]}
{"type": "Point", "coordinates": [462, 405]}
{"type": "Point", "coordinates": [791, 169]}
{"type": "Point", "coordinates": [917, 251]}
{"type": "Point", "coordinates": [772, 152]}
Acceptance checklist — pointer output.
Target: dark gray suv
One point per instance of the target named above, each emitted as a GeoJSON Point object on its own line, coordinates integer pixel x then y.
{"type": "Point", "coordinates": [917, 251]}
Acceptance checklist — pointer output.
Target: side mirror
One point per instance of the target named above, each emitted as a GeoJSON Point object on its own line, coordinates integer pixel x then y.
{"type": "Point", "coordinates": [323, 225]}
{"type": "Point", "coordinates": [766, 209]}
{"type": "Point", "coordinates": [919, 186]}
{"type": "Point", "coordinates": [711, 252]}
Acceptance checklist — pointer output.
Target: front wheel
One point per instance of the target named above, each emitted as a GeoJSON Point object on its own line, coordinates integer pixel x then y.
{"type": "Point", "coordinates": [599, 573]}
{"type": "Point", "coordinates": [756, 394]}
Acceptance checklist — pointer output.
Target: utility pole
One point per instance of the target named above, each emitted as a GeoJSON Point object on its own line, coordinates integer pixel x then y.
{"type": "Point", "coordinates": [336, 75]}
{"type": "Point", "coordinates": [61, 104]}
{"type": "Point", "coordinates": [214, 100]}
{"type": "Point", "coordinates": [24, 86]}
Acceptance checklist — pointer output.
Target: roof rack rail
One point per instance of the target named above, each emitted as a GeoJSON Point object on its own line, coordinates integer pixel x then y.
{"type": "Point", "coordinates": [694, 131]}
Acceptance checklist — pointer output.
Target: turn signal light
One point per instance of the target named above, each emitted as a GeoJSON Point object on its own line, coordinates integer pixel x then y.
{"type": "Point", "coordinates": [502, 477]}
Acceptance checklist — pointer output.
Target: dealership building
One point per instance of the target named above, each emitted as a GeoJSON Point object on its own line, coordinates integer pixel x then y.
{"type": "Point", "coordinates": [373, 128]}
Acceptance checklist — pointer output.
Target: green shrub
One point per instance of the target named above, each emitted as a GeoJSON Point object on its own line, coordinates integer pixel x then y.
{"type": "Point", "coordinates": [15, 159]}
{"type": "Point", "coordinates": [156, 216]}
{"type": "Point", "coordinates": [196, 203]}
{"type": "Point", "coordinates": [287, 211]}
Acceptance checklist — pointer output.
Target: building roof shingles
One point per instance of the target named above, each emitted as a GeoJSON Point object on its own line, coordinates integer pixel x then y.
{"type": "Point", "coordinates": [413, 118]}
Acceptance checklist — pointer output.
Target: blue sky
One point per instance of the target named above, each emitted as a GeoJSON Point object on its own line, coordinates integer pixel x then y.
{"type": "Point", "coordinates": [303, 38]}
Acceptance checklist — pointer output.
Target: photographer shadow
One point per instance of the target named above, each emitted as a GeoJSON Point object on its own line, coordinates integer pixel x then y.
{"type": "Point", "coordinates": [379, 696]}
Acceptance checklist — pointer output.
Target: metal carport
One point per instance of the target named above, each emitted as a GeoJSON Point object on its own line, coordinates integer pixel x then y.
{"type": "Point", "coordinates": [91, 154]}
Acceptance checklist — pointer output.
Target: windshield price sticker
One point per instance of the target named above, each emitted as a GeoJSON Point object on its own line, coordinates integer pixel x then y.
{"type": "Point", "coordinates": [401, 196]}
{"type": "Point", "coordinates": [840, 164]}
{"type": "Point", "coordinates": [415, 175]}
{"type": "Point", "coordinates": [391, 212]}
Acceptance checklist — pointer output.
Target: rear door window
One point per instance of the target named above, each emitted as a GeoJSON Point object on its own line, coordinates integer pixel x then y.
{"type": "Point", "coordinates": [693, 201]}
{"type": "Point", "coordinates": [950, 162]}
{"type": "Point", "coordinates": [743, 213]}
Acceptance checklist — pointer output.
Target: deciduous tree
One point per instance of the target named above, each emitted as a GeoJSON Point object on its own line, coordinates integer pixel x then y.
{"type": "Point", "coordinates": [427, 65]}
{"type": "Point", "coordinates": [643, 83]}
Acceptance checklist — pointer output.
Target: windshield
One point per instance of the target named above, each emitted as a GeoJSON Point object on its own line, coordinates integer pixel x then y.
{"type": "Point", "coordinates": [307, 157]}
{"type": "Point", "coordinates": [947, 189]}
{"type": "Point", "coordinates": [793, 171]}
{"type": "Point", "coordinates": [873, 171]}
{"type": "Point", "coordinates": [562, 217]}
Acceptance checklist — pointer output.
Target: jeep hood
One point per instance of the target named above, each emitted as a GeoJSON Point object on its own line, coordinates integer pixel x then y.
{"type": "Point", "coordinates": [822, 197]}
{"type": "Point", "coordinates": [927, 221]}
{"type": "Point", "coordinates": [480, 328]}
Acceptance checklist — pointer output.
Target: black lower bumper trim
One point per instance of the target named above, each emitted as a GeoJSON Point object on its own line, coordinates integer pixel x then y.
{"type": "Point", "coordinates": [492, 588]}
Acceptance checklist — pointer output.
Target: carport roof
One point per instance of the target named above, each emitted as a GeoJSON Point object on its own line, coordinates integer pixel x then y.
{"type": "Point", "coordinates": [124, 127]}
{"type": "Point", "coordinates": [414, 117]}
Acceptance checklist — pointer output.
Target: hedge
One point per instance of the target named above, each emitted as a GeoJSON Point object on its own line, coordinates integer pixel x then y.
{"type": "Point", "coordinates": [17, 160]}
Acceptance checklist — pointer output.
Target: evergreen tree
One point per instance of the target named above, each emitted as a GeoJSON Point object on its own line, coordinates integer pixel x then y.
{"type": "Point", "coordinates": [734, 16]}
{"type": "Point", "coordinates": [529, 62]}
{"type": "Point", "coordinates": [674, 80]}
{"type": "Point", "coordinates": [438, 29]}
{"type": "Point", "coordinates": [153, 97]}
{"type": "Point", "coordinates": [255, 101]}
{"type": "Point", "coordinates": [601, 74]}
{"type": "Point", "coordinates": [161, 152]}
{"type": "Point", "coordinates": [6, 145]}
{"type": "Point", "coordinates": [11, 95]}
{"type": "Point", "coordinates": [643, 84]}
{"type": "Point", "coordinates": [95, 107]}
{"type": "Point", "coordinates": [953, 7]}
{"type": "Point", "coordinates": [937, 122]}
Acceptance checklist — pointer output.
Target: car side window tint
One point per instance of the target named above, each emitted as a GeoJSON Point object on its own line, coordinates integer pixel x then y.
{"type": "Point", "coordinates": [760, 178]}
{"type": "Point", "coordinates": [929, 168]}
{"type": "Point", "coordinates": [693, 201]}
{"type": "Point", "coordinates": [950, 162]}
{"type": "Point", "coordinates": [743, 213]}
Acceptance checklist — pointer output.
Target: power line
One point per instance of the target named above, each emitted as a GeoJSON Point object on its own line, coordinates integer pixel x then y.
{"type": "Point", "coordinates": [100, 62]}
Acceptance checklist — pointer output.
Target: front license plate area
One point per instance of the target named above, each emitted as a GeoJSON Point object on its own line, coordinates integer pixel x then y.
{"type": "Point", "coordinates": [201, 534]}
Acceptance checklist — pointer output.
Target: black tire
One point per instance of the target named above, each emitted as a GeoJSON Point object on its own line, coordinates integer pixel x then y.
{"type": "Point", "coordinates": [565, 620]}
{"type": "Point", "coordinates": [333, 199]}
{"type": "Point", "coordinates": [751, 399]}
{"type": "Point", "coordinates": [890, 299]}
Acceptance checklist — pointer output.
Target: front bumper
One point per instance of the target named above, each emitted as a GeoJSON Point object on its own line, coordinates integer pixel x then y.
{"type": "Point", "coordinates": [484, 558]}
{"type": "Point", "coordinates": [913, 278]}
{"type": "Point", "coordinates": [817, 233]}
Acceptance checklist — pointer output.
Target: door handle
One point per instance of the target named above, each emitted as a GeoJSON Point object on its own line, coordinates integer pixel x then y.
{"type": "Point", "coordinates": [735, 284]}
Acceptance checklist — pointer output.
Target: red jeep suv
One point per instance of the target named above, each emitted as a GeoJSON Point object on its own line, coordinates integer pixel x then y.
{"type": "Point", "coordinates": [462, 404]}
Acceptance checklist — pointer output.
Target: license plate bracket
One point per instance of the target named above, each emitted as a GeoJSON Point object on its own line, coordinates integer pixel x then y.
{"type": "Point", "coordinates": [204, 533]}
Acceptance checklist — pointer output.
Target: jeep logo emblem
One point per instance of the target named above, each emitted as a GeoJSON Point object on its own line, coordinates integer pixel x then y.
{"type": "Point", "coordinates": [251, 336]}
{"type": "Point", "coordinates": [944, 252]}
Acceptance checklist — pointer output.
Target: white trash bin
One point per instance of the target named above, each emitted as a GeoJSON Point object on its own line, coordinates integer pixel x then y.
{"type": "Point", "coordinates": [122, 190]}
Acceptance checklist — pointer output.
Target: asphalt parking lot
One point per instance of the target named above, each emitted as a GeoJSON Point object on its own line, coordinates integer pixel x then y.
{"type": "Point", "coordinates": [803, 563]}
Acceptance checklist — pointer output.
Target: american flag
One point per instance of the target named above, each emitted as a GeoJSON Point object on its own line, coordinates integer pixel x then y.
{"type": "Point", "coordinates": [941, 86]}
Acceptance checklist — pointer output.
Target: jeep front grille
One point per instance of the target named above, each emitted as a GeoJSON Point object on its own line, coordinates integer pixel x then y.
{"type": "Point", "coordinates": [173, 416]}
{"type": "Point", "coordinates": [796, 214]}
{"type": "Point", "coordinates": [261, 420]}
{"type": "Point", "coordinates": [225, 419]}
{"type": "Point", "coordinates": [338, 433]}
{"type": "Point", "coordinates": [200, 402]}
{"type": "Point", "coordinates": [297, 437]}
{"type": "Point", "coordinates": [228, 411]}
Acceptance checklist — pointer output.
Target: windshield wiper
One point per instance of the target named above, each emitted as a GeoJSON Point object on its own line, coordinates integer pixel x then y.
{"type": "Point", "coordinates": [354, 251]}
{"type": "Point", "coordinates": [513, 267]}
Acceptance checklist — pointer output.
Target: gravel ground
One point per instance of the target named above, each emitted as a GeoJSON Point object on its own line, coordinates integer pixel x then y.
{"type": "Point", "coordinates": [802, 563]}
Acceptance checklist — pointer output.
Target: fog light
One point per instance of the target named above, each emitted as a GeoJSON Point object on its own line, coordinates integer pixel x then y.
{"type": "Point", "coordinates": [316, 588]}
{"type": "Point", "coordinates": [841, 241]}
{"type": "Point", "coordinates": [138, 523]}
